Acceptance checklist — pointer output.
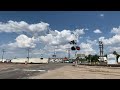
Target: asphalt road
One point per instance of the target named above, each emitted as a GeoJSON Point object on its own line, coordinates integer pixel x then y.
{"type": "Point", "coordinates": [25, 72]}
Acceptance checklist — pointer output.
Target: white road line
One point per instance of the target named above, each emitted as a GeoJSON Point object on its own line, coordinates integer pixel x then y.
{"type": "Point", "coordinates": [34, 70]}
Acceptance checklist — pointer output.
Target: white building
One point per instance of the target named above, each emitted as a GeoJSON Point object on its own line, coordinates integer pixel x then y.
{"type": "Point", "coordinates": [31, 60]}
{"type": "Point", "coordinates": [111, 59]}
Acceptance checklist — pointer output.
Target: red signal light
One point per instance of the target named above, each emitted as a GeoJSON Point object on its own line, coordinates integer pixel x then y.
{"type": "Point", "coordinates": [77, 47]}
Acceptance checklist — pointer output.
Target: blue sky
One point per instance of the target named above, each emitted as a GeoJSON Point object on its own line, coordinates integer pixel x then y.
{"type": "Point", "coordinates": [104, 21]}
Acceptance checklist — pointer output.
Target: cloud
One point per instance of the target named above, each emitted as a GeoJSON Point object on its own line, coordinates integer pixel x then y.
{"type": "Point", "coordinates": [79, 32]}
{"type": "Point", "coordinates": [102, 15]}
{"type": "Point", "coordinates": [31, 35]}
{"type": "Point", "coordinates": [87, 48]}
{"type": "Point", "coordinates": [86, 29]}
{"type": "Point", "coordinates": [116, 30]}
{"type": "Point", "coordinates": [111, 41]}
{"type": "Point", "coordinates": [94, 42]}
{"type": "Point", "coordinates": [22, 26]}
{"type": "Point", "coordinates": [97, 31]}
{"type": "Point", "coordinates": [41, 32]}
{"type": "Point", "coordinates": [101, 38]}
{"type": "Point", "coordinates": [61, 37]}
{"type": "Point", "coordinates": [60, 48]}
{"type": "Point", "coordinates": [46, 42]}
{"type": "Point", "coordinates": [114, 48]}
{"type": "Point", "coordinates": [85, 45]}
{"type": "Point", "coordinates": [22, 41]}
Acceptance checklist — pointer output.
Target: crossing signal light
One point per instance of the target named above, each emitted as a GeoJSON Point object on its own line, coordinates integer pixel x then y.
{"type": "Point", "coordinates": [73, 42]}
{"type": "Point", "coordinates": [73, 48]}
{"type": "Point", "coordinates": [77, 47]}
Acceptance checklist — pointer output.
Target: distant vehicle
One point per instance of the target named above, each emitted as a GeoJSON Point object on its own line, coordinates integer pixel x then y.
{"type": "Point", "coordinates": [6, 60]}
{"type": "Point", "coordinates": [71, 60]}
{"type": "Point", "coordinates": [66, 61]}
{"type": "Point", "coordinates": [104, 59]}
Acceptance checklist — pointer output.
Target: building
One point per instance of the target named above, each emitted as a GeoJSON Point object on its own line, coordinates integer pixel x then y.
{"type": "Point", "coordinates": [31, 60]}
{"type": "Point", "coordinates": [111, 59]}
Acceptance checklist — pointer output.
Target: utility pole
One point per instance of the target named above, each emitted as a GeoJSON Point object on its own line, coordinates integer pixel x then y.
{"type": "Point", "coordinates": [41, 56]}
{"type": "Point", "coordinates": [101, 49]}
{"type": "Point", "coordinates": [54, 55]}
{"type": "Point", "coordinates": [28, 53]}
{"type": "Point", "coordinates": [76, 53]}
{"type": "Point", "coordinates": [55, 47]}
{"type": "Point", "coordinates": [68, 51]}
{"type": "Point", "coordinates": [90, 59]}
{"type": "Point", "coordinates": [3, 54]}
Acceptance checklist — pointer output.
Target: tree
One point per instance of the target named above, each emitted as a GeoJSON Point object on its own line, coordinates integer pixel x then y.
{"type": "Point", "coordinates": [92, 58]}
{"type": "Point", "coordinates": [105, 55]}
{"type": "Point", "coordinates": [95, 58]}
{"type": "Point", "coordinates": [89, 57]}
{"type": "Point", "coordinates": [117, 55]}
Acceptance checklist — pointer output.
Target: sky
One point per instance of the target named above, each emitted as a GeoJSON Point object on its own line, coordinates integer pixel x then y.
{"type": "Point", "coordinates": [42, 31]}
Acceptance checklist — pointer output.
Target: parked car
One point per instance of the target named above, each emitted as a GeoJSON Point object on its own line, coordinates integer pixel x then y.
{"type": "Point", "coordinates": [7, 60]}
{"type": "Point", "coordinates": [66, 61]}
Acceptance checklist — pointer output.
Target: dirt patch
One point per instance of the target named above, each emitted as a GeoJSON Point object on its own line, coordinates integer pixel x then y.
{"type": "Point", "coordinates": [81, 72]}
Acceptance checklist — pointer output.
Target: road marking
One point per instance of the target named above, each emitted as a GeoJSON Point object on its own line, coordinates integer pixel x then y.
{"type": "Point", "coordinates": [34, 70]}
